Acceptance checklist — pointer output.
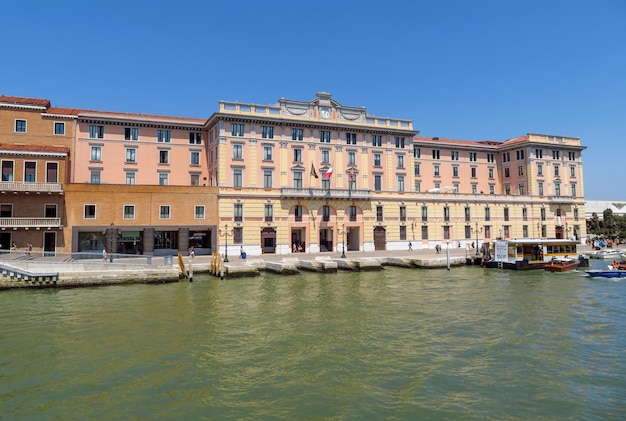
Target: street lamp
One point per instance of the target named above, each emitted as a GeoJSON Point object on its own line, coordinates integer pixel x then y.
{"type": "Point", "coordinates": [343, 243]}
{"type": "Point", "coordinates": [226, 234]}
{"type": "Point", "coordinates": [477, 231]}
{"type": "Point", "coordinates": [111, 235]}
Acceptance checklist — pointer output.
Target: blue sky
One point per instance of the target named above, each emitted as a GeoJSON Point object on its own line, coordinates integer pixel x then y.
{"type": "Point", "coordinates": [461, 69]}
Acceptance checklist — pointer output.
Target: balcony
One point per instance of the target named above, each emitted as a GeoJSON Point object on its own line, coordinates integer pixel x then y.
{"type": "Point", "coordinates": [562, 199]}
{"type": "Point", "coordinates": [17, 186]}
{"type": "Point", "coordinates": [30, 223]}
{"type": "Point", "coordinates": [325, 193]}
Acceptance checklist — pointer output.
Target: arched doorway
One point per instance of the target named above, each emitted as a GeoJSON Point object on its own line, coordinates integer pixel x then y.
{"type": "Point", "coordinates": [380, 238]}
{"type": "Point", "coordinates": [268, 240]}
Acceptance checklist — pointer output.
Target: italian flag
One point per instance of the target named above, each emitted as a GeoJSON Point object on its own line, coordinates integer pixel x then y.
{"type": "Point", "coordinates": [328, 172]}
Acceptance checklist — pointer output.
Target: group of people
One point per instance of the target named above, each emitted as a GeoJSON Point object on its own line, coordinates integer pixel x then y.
{"type": "Point", "coordinates": [297, 247]}
{"type": "Point", "coordinates": [29, 247]}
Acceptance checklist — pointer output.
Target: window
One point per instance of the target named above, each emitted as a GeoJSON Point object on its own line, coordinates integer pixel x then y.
{"type": "Point", "coordinates": [525, 231]}
{"type": "Point", "coordinates": [492, 189]}
{"type": "Point", "coordinates": [525, 214]}
{"type": "Point", "coordinates": [521, 189]}
{"type": "Point", "coordinates": [402, 232]}
{"type": "Point", "coordinates": [131, 133]}
{"type": "Point", "coordinates": [507, 189]}
{"type": "Point", "coordinates": [473, 156]}
{"type": "Point", "coordinates": [89, 212]}
{"type": "Point", "coordinates": [424, 232]}
{"type": "Point", "coordinates": [506, 157]}
{"type": "Point", "coordinates": [325, 157]}
{"type": "Point", "coordinates": [436, 170]}
{"type": "Point", "coordinates": [237, 177]}
{"type": "Point", "coordinates": [237, 151]}
{"type": "Point", "coordinates": [194, 179]}
{"type": "Point", "coordinates": [446, 233]}
{"type": "Point", "coordinates": [59, 129]}
{"type": "Point", "coordinates": [400, 183]}
{"type": "Point", "coordinates": [435, 153]}
{"type": "Point", "coordinates": [519, 155]}
{"type": "Point", "coordinates": [131, 155]}
{"type": "Point", "coordinates": [164, 212]}
{"type": "Point", "coordinates": [506, 214]}
{"type": "Point", "coordinates": [236, 129]}
{"type": "Point", "coordinates": [6, 211]}
{"type": "Point", "coordinates": [555, 154]}
{"type": "Point", "coordinates": [377, 160]}
{"type": "Point", "coordinates": [269, 212]}
{"type": "Point", "coordinates": [487, 214]}
{"type": "Point", "coordinates": [198, 212]}
{"type": "Point", "coordinates": [399, 142]}
{"type": "Point", "coordinates": [350, 138]}
{"type": "Point", "coordinates": [468, 232]}
{"type": "Point", "coordinates": [539, 153]}
{"type": "Point", "coordinates": [50, 211]}
{"type": "Point", "coordinates": [30, 171]}
{"type": "Point", "coordinates": [194, 158]}
{"type": "Point", "coordinates": [7, 170]}
{"type": "Point", "coordinates": [238, 212]}
{"type": "Point", "coordinates": [351, 180]}
{"type": "Point", "coordinates": [267, 153]}
{"type": "Point", "coordinates": [572, 171]}
{"type": "Point", "coordinates": [297, 211]}
{"type": "Point", "coordinates": [297, 180]}
{"type": "Point", "coordinates": [575, 214]}
{"type": "Point", "coordinates": [573, 188]}
{"type": "Point", "coordinates": [424, 213]}
{"type": "Point", "coordinates": [474, 172]}
{"type": "Point", "coordinates": [474, 188]}
{"type": "Point", "coordinates": [324, 136]}
{"type": "Point", "coordinates": [403, 213]}
{"type": "Point", "coordinates": [297, 155]}
{"type": "Point", "coordinates": [96, 132]}
{"type": "Point", "coordinates": [377, 140]}
{"type": "Point", "coordinates": [325, 213]}
{"type": "Point", "coordinates": [417, 152]}
{"type": "Point", "coordinates": [352, 213]}
{"type": "Point", "coordinates": [491, 157]}
{"type": "Point", "coordinates": [267, 132]}
{"type": "Point", "coordinates": [20, 126]}
{"type": "Point", "coordinates": [520, 170]}
{"type": "Point", "coordinates": [400, 161]}
{"type": "Point", "coordinates": [129, 212]}
{"type": "Point", "coordinates": [468, 214]}
{"type": "Point", "coordinates": [416, 169]}
{"type": "Point", "coordinates": [52, 172]}
{"type": "Point", "coordinates": [540, 188]}
{"type": "Point", "coordinates": [96, 153]}
{"type": "Point", "coordinates": [379, 213]}
{"type": "Point", "coordinates": [95, 176]}
{"type": "Point", "coordinates": [556, 170]}
{"type": "Point", "coordinates": [195, 138]}
{"type": "Point", "coordinates": [557, 189]}
{"type": "Point", "coordinates": [446, 214]}
{"type": "Point", "coordinates": [164, 136]}
{"type": "Point", "coordinates": [267, 179]}
{"type": "Point", "coordinates": [455, 171]}
{"type": "Point", "coordinates": [326, 183]}
{"type": "Point", "coordinates": [490, 172]}
{"type": "Point", "coordinates": [539, 169]}
{"type": "Point", "coordinates": [418, 186]}
{"type": "Point", "coordinates": [130, 177]}
{"type": "Point", "coordinates": [454, 155]}
{"type": "Point", "coordinates": [507, 172]}
{"type": "Point", "coordinates": [571, 156]}
{"type": "Point", "coordinates": [297, 134]}
{"type": "Point", "coordinates": [164, 157]}
{"type": "Point", "coordinates": [351, 158]}
{"type": "Point", "coordinates": [378, 181]}
{"type": "Point", "coordinates": [163, 179]}
{"type": "Point", "coordinates": [543, 214]}
{"type": "Point", "coordinates": [506, 231]}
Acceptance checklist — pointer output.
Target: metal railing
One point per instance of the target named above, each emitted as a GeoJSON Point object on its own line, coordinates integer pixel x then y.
{"type": "Point", "coordinates": [30, 187]}
{"type": "Point", "coordinates": [30, 222]}
{"type": "Point", "coordinates": [326, 193]}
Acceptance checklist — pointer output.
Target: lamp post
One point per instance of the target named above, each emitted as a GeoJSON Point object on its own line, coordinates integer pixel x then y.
{"type": "Point", "coordinates": [111, 236]}
{"type": "Point", "coordinates": [477, 231]}
{"type": "Point", "coordinates": [226, 234]}
{"type": "Point", "coordinates": [343, 243]}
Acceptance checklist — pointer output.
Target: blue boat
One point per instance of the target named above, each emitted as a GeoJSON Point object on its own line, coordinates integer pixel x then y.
{"type": "Point", "coordinates": [606, 273]}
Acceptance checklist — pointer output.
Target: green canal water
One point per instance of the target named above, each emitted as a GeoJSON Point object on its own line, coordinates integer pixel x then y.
{"type": "Point", "coordinates": [466, 344]}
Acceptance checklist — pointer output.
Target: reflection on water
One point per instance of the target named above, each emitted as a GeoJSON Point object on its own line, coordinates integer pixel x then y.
{"type": "Point", "coordinates": [468, 343]}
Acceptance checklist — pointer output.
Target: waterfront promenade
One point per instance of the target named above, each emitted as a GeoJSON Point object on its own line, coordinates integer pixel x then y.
{"type": "Point", "coordinates": [21, 270]}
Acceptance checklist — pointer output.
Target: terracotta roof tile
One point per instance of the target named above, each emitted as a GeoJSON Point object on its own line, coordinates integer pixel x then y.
{"type": "Point", "coordinates": [25, 101]}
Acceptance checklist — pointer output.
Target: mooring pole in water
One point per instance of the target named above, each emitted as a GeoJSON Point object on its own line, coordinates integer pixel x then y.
{"type": "Point", "coordinates": [448, 254]}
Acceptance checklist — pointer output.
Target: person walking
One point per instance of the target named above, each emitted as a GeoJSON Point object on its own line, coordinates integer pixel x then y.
{"type": "Point", "coordinates": [410, 246]}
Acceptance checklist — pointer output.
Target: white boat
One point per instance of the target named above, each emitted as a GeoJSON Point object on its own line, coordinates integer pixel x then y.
{"type": "Point", "coordinates": [606, 254]}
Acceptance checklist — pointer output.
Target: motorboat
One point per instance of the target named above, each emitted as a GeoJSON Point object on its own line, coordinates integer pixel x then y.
{"type": "Point", "coordinates": [609, 273]}
{"type": "Point", "coordinates": [606, 254]}
{"type": "Point", "coordinates": [561, 265]}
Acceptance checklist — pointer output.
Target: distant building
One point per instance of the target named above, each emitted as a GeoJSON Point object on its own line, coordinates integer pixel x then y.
{"type": "Point", "coordinates": [599, 206]}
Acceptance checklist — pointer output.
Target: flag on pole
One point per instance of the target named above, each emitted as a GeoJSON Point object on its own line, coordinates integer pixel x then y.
{"type": "Point", "coordinates": [351, 176]}
{"type": "Point", "coordinates": [329, 172]}
{"type": "Point", "coordinates": [313, 172]}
